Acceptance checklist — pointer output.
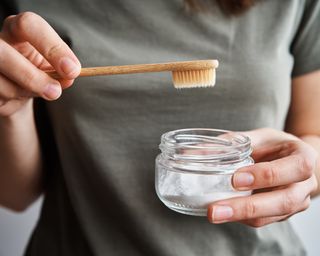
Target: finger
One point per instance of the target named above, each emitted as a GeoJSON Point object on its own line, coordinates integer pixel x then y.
{"type": "Point", "coordinates": [260, 222]}
{"type": "Point", "coordinates": [28, 51]}
{"type": "Point", "coordinates": [2, 102]}
{"type": "Point", "coordinates": [287, 170]}
{"type": "Point", "coordinates": [10, 91]}
{"type": "Point", "coordinates": [283, 202]}
{"type": "Point", "coordinates": [269, 152]}
{"type": "Point", "coordinates": [66, 83]}
{"type": "Point", "coordinates": [27, 75]}
{"type": "Point", "coordinates": [276, 150]}
{"type": "Point", "coordinates": [267, 136]}
{"type": "Point", "coordinates": [31, 28]}
{"type": "Point", "coordinates": [10, 107]}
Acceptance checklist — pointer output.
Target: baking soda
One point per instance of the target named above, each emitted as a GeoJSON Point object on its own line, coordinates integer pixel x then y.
{"type": "Point", "coordinates": [184, 192]}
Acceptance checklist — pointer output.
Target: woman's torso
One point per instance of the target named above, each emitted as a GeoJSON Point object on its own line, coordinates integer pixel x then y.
{"type": "Point", "coordinates": [101, 198]}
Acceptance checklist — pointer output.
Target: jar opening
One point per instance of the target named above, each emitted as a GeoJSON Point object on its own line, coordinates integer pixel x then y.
{"type": "Point", "coordinates": [205, 145]}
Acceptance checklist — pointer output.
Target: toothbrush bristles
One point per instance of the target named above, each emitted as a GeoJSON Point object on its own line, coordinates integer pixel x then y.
{"type": "Point", "coordinates": [194, 78]}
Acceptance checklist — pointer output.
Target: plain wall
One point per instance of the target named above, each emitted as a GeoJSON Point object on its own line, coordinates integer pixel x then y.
{"type": "Point", "coordinates": [16, 228]}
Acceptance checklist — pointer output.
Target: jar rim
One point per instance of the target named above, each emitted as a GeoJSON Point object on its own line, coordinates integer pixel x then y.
{"type": "Point", "coordinates": [205, 144]}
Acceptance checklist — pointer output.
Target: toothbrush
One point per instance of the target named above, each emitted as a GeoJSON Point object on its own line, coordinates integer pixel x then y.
{"type": "Point", "coordinates": [185, 74]}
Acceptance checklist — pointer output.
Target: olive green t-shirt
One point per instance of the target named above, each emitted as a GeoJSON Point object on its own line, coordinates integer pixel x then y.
{"type": "Point", "coordinates": [100, 139]}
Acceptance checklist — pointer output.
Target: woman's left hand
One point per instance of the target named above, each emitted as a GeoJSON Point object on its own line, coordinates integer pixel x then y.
{"type": "Point", "coordinates": [282, 180]}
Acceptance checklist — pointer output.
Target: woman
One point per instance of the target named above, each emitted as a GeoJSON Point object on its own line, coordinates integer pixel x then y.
{"type": "Point", "coordinates": [91, 148]}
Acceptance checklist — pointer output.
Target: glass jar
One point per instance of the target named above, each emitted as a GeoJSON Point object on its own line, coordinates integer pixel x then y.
{"type": "Point", "coordinates": [195, 168]}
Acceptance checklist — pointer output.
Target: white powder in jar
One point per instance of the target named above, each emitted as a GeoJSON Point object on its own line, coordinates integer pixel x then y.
{"type": "Point", "coordinates": [196, 190]}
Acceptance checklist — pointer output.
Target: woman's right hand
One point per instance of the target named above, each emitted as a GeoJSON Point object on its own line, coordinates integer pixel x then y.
{"type": "Point", "coordinates": [28, 47]}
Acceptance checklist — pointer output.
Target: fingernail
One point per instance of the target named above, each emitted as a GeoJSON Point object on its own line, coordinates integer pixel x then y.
{"type": "Point", "coordinates": [242, 179]}
{"type": "Point", "coordinates": [52, 91]}
{"type": "Point", "coordinates": [221, 213]}
{"type": "Point", "coordinates": [68, 66]}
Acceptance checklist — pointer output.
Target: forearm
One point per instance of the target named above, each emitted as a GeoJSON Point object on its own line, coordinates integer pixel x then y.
{"type": "Point", "coordinates": [314, 141]}
{"type": "Point", "coordinates": [20, 159]}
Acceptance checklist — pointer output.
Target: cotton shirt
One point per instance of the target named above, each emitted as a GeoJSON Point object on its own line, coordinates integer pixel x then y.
{"type": "Point", "coordinates": [100, 139]}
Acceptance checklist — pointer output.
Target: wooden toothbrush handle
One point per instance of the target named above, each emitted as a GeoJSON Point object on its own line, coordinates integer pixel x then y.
{"type": "Point", "coordinates": [144, 68]}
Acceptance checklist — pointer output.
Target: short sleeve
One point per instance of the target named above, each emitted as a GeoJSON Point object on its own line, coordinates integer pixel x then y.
{"type": "Point", "coordinates": [305, 47]}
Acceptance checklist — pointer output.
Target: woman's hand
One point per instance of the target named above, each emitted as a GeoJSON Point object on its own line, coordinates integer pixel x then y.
{"type": "Point", "coordinates": [28, 47]}
{"type": "Point", "coordinates": [282, 180]}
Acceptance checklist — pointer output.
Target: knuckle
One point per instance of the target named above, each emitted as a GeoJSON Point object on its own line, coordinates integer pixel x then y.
{"type": "Point", "coordinates": [287, 147]}
{"type": "Point", "coordinates": [270, 175]}
{"type": "Point", "coordinates": [305, 166]}
{"type": "Point", "coordinates": [306, 204]}
{"type": "Point", "coordinates": [52, 50]}
{"type": "Point", "coordinates": [289, 202]}
{"type": "Point", "coordinates": [292, 144]}
{"type": "Point", "coordinates": [8, 21]}
{"type": "Point", "coordinates": [24, 20]}
{"type": "Point", "coordinates": [250, 210]}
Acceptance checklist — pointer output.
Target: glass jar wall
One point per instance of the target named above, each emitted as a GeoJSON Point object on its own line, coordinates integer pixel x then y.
{"type": "Point", "coordinates": [195, 168]}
